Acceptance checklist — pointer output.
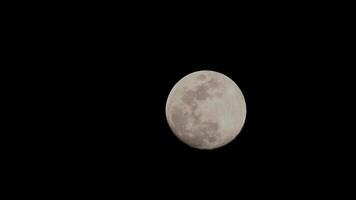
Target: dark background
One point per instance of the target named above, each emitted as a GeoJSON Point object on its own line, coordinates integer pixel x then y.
{"type": "Point", "coordinates": [101, 80]}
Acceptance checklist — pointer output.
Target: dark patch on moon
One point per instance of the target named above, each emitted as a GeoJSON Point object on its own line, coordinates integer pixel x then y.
{"type": "Point", "coordinates": [188, 97]}
{"type": "Point", "coordinates": [206, 131]}
{"type": "Point", "coordinates": [209, 128]}
{"type": "Point", "coordinates": [213, 83]}
{"type": "Point", "coordinates": [212, 139]}
{"type": "Point", "coordinates": [202, 92]}
{"type": "Point", "coordinates": [201, 77]}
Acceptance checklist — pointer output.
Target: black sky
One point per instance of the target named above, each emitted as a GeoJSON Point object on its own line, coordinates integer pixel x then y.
{"type": "Point", "coordinates": [107, 79]}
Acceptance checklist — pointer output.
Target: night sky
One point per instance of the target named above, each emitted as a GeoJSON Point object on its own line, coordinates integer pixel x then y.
{"type": "Point", "coordinates": [104, 84]}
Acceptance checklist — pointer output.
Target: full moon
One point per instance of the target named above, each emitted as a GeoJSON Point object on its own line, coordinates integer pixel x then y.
{"type": "Point", "coordinates": [206, 110]}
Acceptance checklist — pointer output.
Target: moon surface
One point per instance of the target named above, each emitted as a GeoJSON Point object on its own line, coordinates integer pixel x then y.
{"type": "Point", "coordinates": [206, 109]}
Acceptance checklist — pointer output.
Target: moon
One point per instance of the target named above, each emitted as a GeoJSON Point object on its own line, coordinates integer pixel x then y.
{"type": "Point", "coordinates": [206, 110]}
